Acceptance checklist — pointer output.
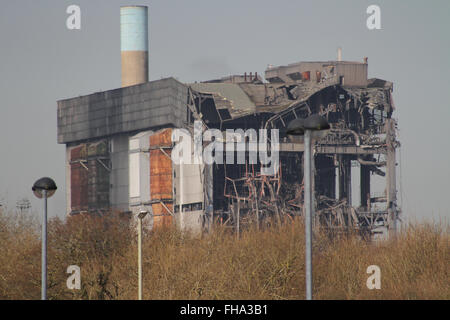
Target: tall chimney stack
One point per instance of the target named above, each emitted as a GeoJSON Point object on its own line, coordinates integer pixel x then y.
{"type": "Point", "coordinates": [339, 54]}
{"type": "Point", "coordinates": [134, 44]}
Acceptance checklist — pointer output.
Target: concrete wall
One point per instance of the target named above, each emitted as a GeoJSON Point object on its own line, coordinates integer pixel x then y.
{"type": "Point", "coordinates": [190, 222]}
{"type": "Point", "coordinates": [119, 194]}
{"type": "Point", "coordinates": [68, 189]}
{"type": "Point", "coordinates": [188, 190]}
{"type": "Point", "coordinates": [192, 183]}
{"type": "Point", "coordinates": [131, 109]}
{"type": "Point", "coordinates": [354, 73]}
{"type": "Point", "coordinates": [139, 171]}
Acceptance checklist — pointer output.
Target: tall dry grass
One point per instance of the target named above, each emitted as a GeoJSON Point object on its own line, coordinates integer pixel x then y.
{"type": "Point", "coordinates": [266, 264]}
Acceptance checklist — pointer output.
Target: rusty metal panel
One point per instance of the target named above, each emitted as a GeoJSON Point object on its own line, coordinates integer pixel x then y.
{"type": "Point", "coordinates": [98, 185]}
{"type": "Point", "coordinates": [98, 177]}
{"type": "Point", "coordinates": [89, 177]}
{"type": "Point", "coordinates": [78, 152]}
{"type": "Point", "coordinates": [306, 75]}
{"type": "Point", "coordinates": [318, 76]}
{"type": "Point", "coordinates": [78, 179]}
{"type": "Point", "coordinates": [163, 218]}
{"type": "Point", "coordinates": [160, 175]}
{"type": "Point", "coordinates": [98, 149]}
{"type": "Point", "coordinates": [161, 182]}
{"type": "Point", "coordinates": [79, 191]}
{"type": "Point", "coordinates": [161, 138]}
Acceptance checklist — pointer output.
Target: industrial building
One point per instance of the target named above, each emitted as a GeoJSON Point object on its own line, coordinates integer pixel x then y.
{"type": "Point", "coordinates": [119, 143]}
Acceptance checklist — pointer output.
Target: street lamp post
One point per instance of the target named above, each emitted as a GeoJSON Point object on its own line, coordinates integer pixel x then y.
{"type": "Point", "coordinates": [44, 188]}
{"type": "Point", "coordinates": [141, 216]}
{"type": "Point", "coordinates": [306, 127]}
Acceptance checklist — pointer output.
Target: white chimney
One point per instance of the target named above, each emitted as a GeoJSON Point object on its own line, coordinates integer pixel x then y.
{"type": "Point", "coordinates": [339, 54]}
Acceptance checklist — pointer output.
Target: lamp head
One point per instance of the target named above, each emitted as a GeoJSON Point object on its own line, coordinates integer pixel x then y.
{"type": "Point", "coordinates": [316, 122]}
{"type": "Point", "coordinates": [142, 214]}
{"type": "Point", "coordinates": [44, 184]}
{"type": "Point", "coordinates": [296, 127]}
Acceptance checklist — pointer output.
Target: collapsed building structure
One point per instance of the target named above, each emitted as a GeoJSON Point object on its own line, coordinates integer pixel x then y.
{"type": "Point", "coordinates": [119, 144]}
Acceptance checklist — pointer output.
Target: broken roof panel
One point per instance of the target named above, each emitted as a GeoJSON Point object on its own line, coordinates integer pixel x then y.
{"type": "Point", "coordinates": [373, 97]}
{"type": "Point", "coordinates": [227, 96]}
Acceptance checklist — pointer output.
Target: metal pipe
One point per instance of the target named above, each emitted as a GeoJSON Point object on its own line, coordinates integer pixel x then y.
{"type": "Point", "coordinates": [257, 209]}
{"type": "Point", "coordinates": [140, 258]}
{"type": "Point", "coordinates": [308, 214]}
{"type": "Point", "coordinates": [44, 250]}
{"type": "Point", "coordinates": [238, 231]}
{"type": "Point", "coordinates": [371, 163]}
{"type": "Point", "coordinates": [181, 195]}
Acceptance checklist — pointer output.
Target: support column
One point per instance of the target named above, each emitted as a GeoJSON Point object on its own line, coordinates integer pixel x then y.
{"type": "Point", "coordinates": [313, 186]}
{"type": "Point", "coordinates": [345, 178]}
{"type": "Point", "coordinates": [341, 175]}
{"type": "Point", "coordinates": [326, 176]}
{"type": "Point", "coordinates": [332, 180]}
{"type": "Point", "coordinates": [348, 179]}
{"type": "Point", "coordinates": [365, 186]}
{"type": "Point", "coordinates": [391, 182]}
{"type": "Point", "coordinates": [208, 191]}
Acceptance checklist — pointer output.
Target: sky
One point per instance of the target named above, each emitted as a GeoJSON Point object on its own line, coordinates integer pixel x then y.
{"type": "Point", "coordinates": [41, 61]}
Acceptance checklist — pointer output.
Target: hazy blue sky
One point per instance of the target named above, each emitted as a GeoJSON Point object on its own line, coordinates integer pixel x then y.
{"type": "Point", "coordinates": [41, 61]}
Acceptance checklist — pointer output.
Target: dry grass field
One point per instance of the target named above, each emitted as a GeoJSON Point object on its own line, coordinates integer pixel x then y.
{"type": "Point", "coordinates": [265, 264]}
